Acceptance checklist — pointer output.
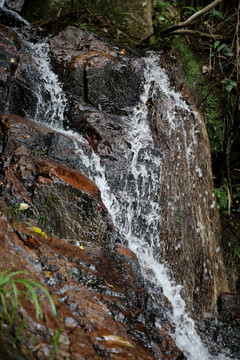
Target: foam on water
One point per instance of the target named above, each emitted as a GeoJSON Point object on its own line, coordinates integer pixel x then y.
{"type": "Point", "coordinates": [51, 97]}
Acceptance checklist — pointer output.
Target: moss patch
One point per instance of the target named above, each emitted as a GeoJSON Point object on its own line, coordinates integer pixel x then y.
{"type": "Point", "coordinates": [205, 91]}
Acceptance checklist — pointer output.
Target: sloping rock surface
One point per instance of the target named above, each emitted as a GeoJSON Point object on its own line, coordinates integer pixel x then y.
{"type": "Point", "coordinates": [103, 306]}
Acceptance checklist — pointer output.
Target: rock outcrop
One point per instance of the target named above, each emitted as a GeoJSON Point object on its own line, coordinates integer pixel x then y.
{"type": "Point", "coordinates": [103, 306]}
{"type": "Point", "coordinates": [65, 237]}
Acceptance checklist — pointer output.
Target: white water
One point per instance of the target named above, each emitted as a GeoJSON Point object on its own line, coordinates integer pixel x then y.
{"type": "Point", "coordinates": [133, 206]}
{"type": "Point", "coordinates": [51, 99]}
{"type": "Point", "coordinates": [135, 211]}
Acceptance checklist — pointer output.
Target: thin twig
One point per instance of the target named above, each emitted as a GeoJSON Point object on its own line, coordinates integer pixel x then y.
{"type": "Point", "coordinates": [191, 18]}
{"type": "Point", "coordinates": [196, 33]}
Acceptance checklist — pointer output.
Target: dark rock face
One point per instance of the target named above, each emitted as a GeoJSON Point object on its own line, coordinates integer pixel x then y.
{"type": "Point", "coordinates": [190, 224]}
{"type": "Point", "coordinates": [229, 305]}
{"type": "Point", "coordinates": [95, 73]}
{"type": "Point", "coordinates": [18, 74]}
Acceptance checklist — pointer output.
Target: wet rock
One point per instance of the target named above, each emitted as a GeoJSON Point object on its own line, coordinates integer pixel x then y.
{"type": "Point", "coordinates": [229, 305]}
{"type": "Point", "coordinates": [18, 76]}
{"type": "Point", "coordinates": [190, 224]}
{"type": "Point", "coordinates": [102, 302]}
{"type": "Point", "coordinates": [101, 299]}
{"type": "Point", "coordinates": [64, 200]}
{"type": "Point", "coordinates": [95, 72]}
{"type": "Point", "coordinates": [16, 5]}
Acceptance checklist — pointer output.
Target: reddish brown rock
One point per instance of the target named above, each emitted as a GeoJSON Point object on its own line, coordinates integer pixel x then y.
{"type": "Point", "coordinates": [99, 297]}
{"type": "Point", "coordinates": [63, 199]}
{"type": "Point", "coordinates": [103, 306]}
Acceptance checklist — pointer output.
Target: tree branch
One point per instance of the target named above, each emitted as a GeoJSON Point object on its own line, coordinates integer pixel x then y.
{"type": "Point", "coordinates": [191, 18]}
{"type": "Point", "coordinates": [196, 32]}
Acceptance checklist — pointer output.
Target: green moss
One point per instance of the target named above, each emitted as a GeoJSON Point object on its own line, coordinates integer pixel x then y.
{"type": "Point", "coordinates": [206, 94]}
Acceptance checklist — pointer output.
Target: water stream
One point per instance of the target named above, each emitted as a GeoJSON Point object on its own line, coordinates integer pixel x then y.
{"type": "Point", "coordinates": [134, 206]}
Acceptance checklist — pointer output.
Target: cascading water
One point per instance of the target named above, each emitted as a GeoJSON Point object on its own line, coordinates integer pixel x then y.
{"type": "Point", "coordinates": [134, 206]}
{"type": "Point", "coordinates": [133, 203]}
{"type": "Point", "coordinates": [51, 98]}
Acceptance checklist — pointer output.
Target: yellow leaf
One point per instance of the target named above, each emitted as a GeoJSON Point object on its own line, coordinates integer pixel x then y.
{"type": "Point", "coordinates": [117, 340]}
{"type": "Point", "coordinates": [48, 273]}
{"type": "Point", "coordinates": [38, 231]}
{"type": "Point", "coordinates": [81, 247]}
{"type": "Point", "coordinates": [111, 286]}
{"type": "Point", "coordinates": [12, 60]}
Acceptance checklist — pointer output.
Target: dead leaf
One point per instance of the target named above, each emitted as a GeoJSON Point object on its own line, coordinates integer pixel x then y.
{"type": "Point", "coordinates": [48, 274]}
{"type": "Point", "coordinates": [109, 285]}
{"type": "Point", "coordinates": [117, 340]}
{"type": "Point", "coordinates": [23, 206]}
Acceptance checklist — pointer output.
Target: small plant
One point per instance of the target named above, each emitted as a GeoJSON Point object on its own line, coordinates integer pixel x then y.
{"type": "Point", "coordinates": [55, 339]}
{"type": "Point", "coordinates": [14, 209]}
{"type": "Point", "coordinates": [229, 84]}
{"type": "Point", "coordinates": [9, 295]}
{"type": "Point", "coordinates": [38, 152]}
{"type": "Point", "coordinates": [222, 195]}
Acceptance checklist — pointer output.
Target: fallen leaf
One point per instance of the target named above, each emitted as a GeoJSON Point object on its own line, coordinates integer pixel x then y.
{"type": "Point", "coordinates": [111, 286]}
{"type": "Point", "coordinates": [81, 247]}
{"type": "Point", "coordinates": [23, 206]}
{"type": "Point", "coordinates": [117, 340]}
{"type": "Point", "coordinates": [38, 231]}
{"type": "Point", "coordinates": [123, 51]}
{"type": "Point", "coordinates": [12, 60]}
{"type": "Point", "coordinates": [48, 274]}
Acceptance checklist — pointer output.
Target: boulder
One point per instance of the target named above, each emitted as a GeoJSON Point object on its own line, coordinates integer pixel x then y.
{"type": "Point", "coordinates": [95, 72]}
{"type": "Point", "coordinates": [134, 16]}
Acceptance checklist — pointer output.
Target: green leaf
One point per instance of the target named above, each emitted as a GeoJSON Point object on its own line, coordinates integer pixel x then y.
{"type": "Point", "coordinates": [47, 294]}
{"type": "Point", "coordinates": [189, 8]}
{"type": "Point", "coordinates": [229, 87]}
{"type": "Point", "coordinates": [217, 13]}
{"type": "Point", "coordinates": [223, 46]}
{"type": "Point", "coordinates": [216, 44]}
{"type": "Point", "coordinates": [32, 295]}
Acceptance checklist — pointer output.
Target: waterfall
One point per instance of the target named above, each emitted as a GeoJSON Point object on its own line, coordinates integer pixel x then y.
{"type": "Point", "coordinates": [134, 205]}
{"type": "Point", "coordinates": [51, 98]}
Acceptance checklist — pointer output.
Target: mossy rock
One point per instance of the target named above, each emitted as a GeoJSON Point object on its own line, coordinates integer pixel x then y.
{"type": "Point", "coordinates": [207, 95]}
{"type": "Point", "coordinates": [131, 20]}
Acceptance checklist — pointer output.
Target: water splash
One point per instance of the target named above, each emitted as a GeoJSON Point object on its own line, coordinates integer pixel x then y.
{"type": "Point", "coordinates": [52, 101]}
